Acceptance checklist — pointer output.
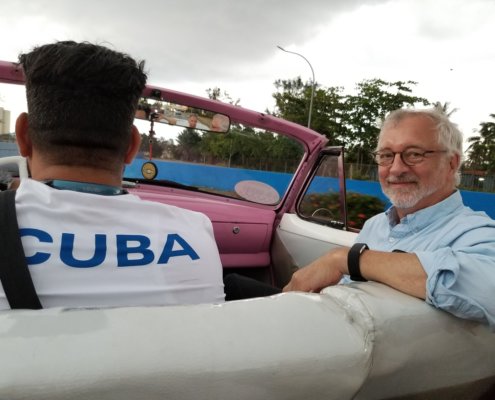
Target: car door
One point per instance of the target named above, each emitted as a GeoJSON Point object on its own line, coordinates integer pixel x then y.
{"type": "Point", "coordinates": [317, 220]}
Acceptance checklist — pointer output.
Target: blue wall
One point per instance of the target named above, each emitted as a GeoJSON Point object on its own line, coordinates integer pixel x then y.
{"type": "Point", "coordinates": [478, 201]}
{"type": "Point", "coordinates": [8, 149]}
{"type": "Point", "coordinates": [223, 178]}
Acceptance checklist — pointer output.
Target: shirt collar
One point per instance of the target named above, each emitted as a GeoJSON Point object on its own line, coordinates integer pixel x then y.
{"type": "Point", "coordinates": [85, 187]}
{"type": "Point", "coordinates": [423, 217]}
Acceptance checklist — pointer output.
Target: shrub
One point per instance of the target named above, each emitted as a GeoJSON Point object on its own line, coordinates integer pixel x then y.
{"type": "Point", "coordinates": [360, 207]}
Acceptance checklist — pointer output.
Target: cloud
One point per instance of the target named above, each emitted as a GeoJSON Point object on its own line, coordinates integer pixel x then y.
{"type": "Point", "coordinates": [445, 45]}
{"type": "Point", "coordinates": [196, 38]}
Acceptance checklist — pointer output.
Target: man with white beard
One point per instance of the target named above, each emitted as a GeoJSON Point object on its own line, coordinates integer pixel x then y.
{"type": "Point", "coordinates": [428, 244]}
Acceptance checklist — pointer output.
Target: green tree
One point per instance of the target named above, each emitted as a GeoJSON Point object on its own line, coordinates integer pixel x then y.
{"type": "Point", "coordinates": [481, 151]}
{"type": "Point", "coordinates": [349, 120]}
{"type": "Point", "coordinates": [365, 110]}
{"type": "Point", "coordinates": [215, 147]}
{"type": "Point", "coordinates": [292, 100]}
{"type": "Point", "coordinates": [157, 146]}
{"type": "Point", "coordinates": [188, 145]}
{"type": "Point", "coordinates": [217, 94]}
{"type": "Point", "coordinates": [286, 154]}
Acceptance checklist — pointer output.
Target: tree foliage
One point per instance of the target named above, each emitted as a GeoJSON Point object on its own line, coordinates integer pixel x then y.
{"type": "Point", "coordinates": [217, 94]}
{"type": "Point", "coordinates": [292, 100]}
{"type": "Point", "coordinates": [481, 151]}
{"type": "Point", "coordinates": [248, 148]}
{"type": "Point", "coordinates": [188, 146]}
{"type": "Point", "coordinates": [351, 120]}
{"type": "Point", "coordinates": [242, 147]}
{"type": "Point", "coordinates": [158, 146]}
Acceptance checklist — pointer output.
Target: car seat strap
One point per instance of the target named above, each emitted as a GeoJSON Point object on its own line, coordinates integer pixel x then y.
{"type": "Point", "coordinates": [14, 273]}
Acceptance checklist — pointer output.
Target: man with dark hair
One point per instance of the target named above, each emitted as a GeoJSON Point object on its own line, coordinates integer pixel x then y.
{"type": "Point", "coordinates": [82, 99]}
{"type": "Point", "coordinates": [80, 248]}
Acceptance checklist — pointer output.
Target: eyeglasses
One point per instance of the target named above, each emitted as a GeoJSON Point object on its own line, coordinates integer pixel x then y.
{"type": "Point", "coordinates": [410, 157]}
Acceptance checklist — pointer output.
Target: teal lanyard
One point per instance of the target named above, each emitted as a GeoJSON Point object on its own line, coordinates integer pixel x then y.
{"type": "Point", "coordinates": [85, 187]}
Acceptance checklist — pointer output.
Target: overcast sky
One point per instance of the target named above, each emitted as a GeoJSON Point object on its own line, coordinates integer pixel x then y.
{"type": "Point", "coordinates": [447, 46]}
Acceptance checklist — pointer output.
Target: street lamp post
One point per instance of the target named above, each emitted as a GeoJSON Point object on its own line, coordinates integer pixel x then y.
{"type": "Point", "coordinates": [312, 86]}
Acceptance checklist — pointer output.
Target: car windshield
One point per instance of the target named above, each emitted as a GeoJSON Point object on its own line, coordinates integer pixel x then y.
{"type": "Point", "coordinates": [245, 163]}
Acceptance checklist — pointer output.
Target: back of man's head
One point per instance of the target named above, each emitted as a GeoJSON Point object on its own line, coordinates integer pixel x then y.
{"type": "Point", "coordinates": [81, 102]}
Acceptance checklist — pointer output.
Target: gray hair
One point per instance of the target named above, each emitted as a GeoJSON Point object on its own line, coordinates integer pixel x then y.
{"type": "Point", "coordinates": [449, 135]}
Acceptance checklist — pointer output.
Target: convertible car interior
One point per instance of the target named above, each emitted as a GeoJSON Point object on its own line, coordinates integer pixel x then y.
{"type": "Point", "coordinates": [276, 195]}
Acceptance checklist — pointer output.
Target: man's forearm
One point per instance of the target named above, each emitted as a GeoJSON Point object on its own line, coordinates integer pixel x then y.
{"type": "Point", "coordinates": [402, 271]}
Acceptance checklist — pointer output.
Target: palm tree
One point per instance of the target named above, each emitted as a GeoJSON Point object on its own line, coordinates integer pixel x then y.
{"type": "Point", "coordinates": [481, 151]}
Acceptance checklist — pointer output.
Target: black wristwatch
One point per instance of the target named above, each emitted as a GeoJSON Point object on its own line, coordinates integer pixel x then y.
{"type": "Point", "coordinates": [353, 261]}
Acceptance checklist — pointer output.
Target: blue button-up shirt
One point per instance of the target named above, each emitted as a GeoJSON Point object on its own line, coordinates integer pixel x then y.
{"type": "Point", "coordinates": [456, 247]}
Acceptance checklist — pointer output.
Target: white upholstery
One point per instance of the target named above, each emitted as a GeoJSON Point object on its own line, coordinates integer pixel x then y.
{"type": "Point", "coordinates": [19, 161]}
{"type": "Point", "coordinates": [363, 339]}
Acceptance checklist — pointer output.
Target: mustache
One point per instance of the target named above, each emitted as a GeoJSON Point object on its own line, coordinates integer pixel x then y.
{"type": "Point", "coordinates": [402, 179]}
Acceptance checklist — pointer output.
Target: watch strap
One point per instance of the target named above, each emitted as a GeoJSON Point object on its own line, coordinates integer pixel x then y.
{"type": "Point", "coordinates": [353, 261]}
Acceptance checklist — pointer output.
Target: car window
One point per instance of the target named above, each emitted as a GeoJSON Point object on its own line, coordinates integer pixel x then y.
{"type": "Point", "coordinates": [323, 200]}
{"type": "Point", "coordinates": [332, 200]}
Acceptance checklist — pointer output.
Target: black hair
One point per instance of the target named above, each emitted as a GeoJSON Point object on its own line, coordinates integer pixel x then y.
{"type": "Point", "coordinates": [81, 99]}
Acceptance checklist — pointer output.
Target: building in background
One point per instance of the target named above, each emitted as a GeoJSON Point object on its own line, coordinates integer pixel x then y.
{"type": "Point", "coordinates": [4, 121]}
{"type": "Point", "coordinates": [8, 146]}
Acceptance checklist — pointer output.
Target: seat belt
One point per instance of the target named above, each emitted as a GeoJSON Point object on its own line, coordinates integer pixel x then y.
{"type": "Point", "coordinates": [14, 273]}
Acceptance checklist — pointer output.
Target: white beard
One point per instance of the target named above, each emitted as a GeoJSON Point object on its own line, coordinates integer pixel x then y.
{"type": "Point", "coordinates": [404, 198]}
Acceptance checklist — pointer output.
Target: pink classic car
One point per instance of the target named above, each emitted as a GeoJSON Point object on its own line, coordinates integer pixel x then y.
{"type": "Point", "coordinates": [276, 196]}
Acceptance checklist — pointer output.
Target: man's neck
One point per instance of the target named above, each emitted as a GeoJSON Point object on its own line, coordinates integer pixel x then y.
{"type": "Point", "coordinates": [424, 203]}
{"type": "Point", "coordinates": [77, 174]}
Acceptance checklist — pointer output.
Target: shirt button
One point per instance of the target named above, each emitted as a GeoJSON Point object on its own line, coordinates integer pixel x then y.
{"type": "Point", "coordinates": [391, 240]}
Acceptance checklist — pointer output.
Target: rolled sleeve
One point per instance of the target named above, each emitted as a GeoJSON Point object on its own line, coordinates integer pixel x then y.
{"type": "Point", "coordinates": [456, 247]}
{"type": "Point", "coordinates": [461, 282]}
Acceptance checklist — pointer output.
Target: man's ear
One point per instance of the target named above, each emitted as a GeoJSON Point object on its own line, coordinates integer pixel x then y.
{"type": "Point", "coordinates": [134, 145]}
{"type": "Point", "coordinates": [21, 133]}
{"type": "Point", "coordinates": [455, 162]}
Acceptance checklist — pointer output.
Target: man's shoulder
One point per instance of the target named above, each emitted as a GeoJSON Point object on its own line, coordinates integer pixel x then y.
{"type": "Point", "coordinates": [459, 211]}
{"type": "Point", "coordinates": [468, 216]}
{"type": "Point", "coordinates": [32, 193]}
{"type": "Point", "coordinates": [458, 221]}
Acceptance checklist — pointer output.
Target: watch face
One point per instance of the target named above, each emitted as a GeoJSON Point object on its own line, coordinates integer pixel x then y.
{"type": "Point", "coordinates": [149, 170]}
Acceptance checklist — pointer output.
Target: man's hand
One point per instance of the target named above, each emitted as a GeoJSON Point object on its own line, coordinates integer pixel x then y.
{"type": "Point", "coordinates": [324, 271]}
